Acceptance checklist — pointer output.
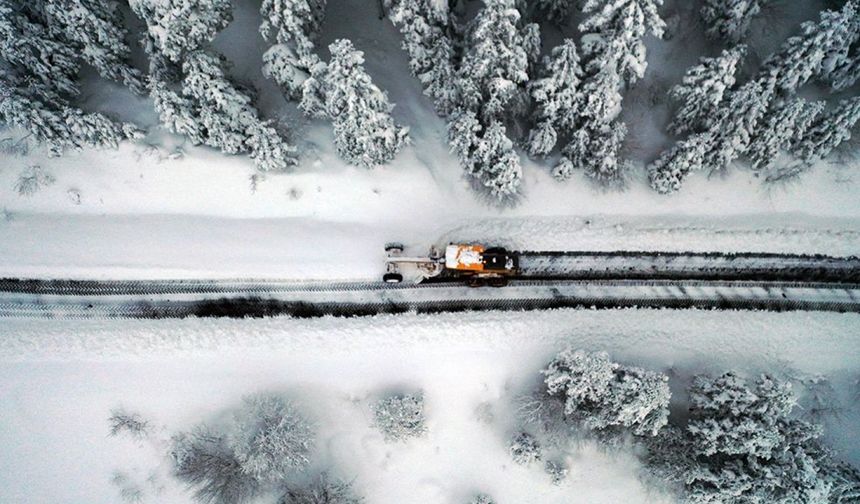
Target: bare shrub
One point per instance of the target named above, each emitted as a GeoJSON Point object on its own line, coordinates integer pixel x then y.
{"type": "Point", "coordinates": [32, 179]}
{"type": "Point", "coordinates": [131, 424]}
{"type": "Point", "coordinates": [203, 460]}
{"type": "Point", "coordinates": [323, 491]}
{"type": "Point", "coordinates": [129, 491]}
{"type": "Point", "coordinates": [400, 417]}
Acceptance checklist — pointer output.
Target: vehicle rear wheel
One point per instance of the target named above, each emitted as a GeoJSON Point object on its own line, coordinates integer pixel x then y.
{"type": "Point", "coordinates": [394, 247]}
{"type": "Point", "coordinates": [392, 278]}
{"type": "Point", "coordinates": [474, 281]}
{"type": "Point", "coordinates": [498, 282]}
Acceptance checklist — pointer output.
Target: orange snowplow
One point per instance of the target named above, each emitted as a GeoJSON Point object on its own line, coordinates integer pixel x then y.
{"type": "Point", "coordinates": [475, 263]}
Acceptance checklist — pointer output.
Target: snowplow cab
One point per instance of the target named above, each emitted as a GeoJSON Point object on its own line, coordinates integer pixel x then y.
{"type": "Point", "coordinates": [476, 259]}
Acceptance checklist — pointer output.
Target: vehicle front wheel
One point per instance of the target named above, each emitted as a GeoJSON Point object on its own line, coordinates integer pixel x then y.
{"type": "Point", "coordinates": [392, 278]}
{"type": "Point", "coordinates": [394, 247]}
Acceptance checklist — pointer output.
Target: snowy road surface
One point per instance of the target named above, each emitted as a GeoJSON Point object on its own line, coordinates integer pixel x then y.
{"type": "Point", "coordinates": [346, 299]}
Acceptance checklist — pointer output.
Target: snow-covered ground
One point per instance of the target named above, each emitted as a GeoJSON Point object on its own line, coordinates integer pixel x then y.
{"type": "Point", "coordinates": [59, 381]}
{"type": "Point", "coordinates": [165, 209]}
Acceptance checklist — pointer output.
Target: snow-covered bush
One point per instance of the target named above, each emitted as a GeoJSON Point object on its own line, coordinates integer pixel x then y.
{"type": "Point", "coordinates": [601, 394]}
{"type": "Point", "coordinates": [203, 460]}
{"type": "Point", "coordinates": [270, 437]}
{"type": "Point", "coordinates": [365, 133]}
{"type": "Point", "coordinates": [525, 449]}
{"type": "Point", "coordinates": [32, 179]}
{"type": "Point", "coordinates": [400, 417]}
{"type": "Point", "coordinates": [177, 27]}
{"type": "Point", "coordinates": [557, 471]}
{"type": "Point", "coordinates": [323, 490]}
{"type": "Point", "coordinates": [129, 491]}
{"type": "Point", "coordinates": [482, 499]}
{"type": "Point", "coordinates": [128, 423]}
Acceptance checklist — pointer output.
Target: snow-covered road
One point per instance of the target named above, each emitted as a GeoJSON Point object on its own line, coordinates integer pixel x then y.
{"type": "Point", "coordinates": [347, 299]}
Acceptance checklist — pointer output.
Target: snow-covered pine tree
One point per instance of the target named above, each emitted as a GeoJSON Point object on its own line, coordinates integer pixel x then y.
{"type": "Point", "coordinates": [620, 26]}
{"type": "Point", "coordinates": [729, 19]}
{"type": "Point", "coordinates": [50, 119]}
{"type": "Point", "coordinates": [96, 27]}
{"type": "Point", "coordinates": [818, 51]}
{"type": "Point", "coordinates": [779, 129]}
{"type": "Point", "coordinates": [496, 59]}
{"type": "Point", "coordinates": [365, 132]}
{"type": "Point", "coordinates": [292, 26]}
{"type": "Point", "coordinates": [464, 131]}
{"type": "Point", "coordinates": [28, 45]}
{"type": "Point", "coordinates": [556, 98]}
{"type": "Point", "coordinates": [431, 53]}
{"type": "Point", "coordinates": [736, 123]}
{"type": "Point", "coordinates": [829, 131]}
{"type": "Point", "coordinates": [176, 27]}
{"type": "Point", "coordinates": [667, 173]}
{"type": "Point", "coordinates": [703, 89]}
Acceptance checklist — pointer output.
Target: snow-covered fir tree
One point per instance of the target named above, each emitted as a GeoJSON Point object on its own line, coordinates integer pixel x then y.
{"type": "Point", "coordinates": [496, 165]}
{"type": "Point", "coordinates": [365, 133]}
{"type": "Point", "coordinates": [601, 394]}
{"type": "Point", "coordinates": [496, 59]}
{"type": "Point", "coordinates": [486, 154]}
{"type": "Point", "coordinates": [595, 147]}
{"type": "Point", "coordinates": [748, 447]}
{"type": "Point", "coordinates": [829, 131]}
{"type": "Point", "coordinates": [556, 98]}
{"type": "Point", "coordinates": [211, 110]}
{"type": "Point", "coordinates": [38, 110]}
{"type": "Point", "coordinates": [176, 27]}
{"type": "Point", "coordinates": [292, 27]}
{"type": "Point", "coordinates": [730, 19]}
{"type": "Point", "coordinates": [431, 52]}
{"type": "Point", "coordinates": [821, 48]}
{"type": "Point", "coordinates": [780, 129]}
{"type": "Point", "coordinates": [96, 28]}
{"type": "Point", "coordinates": [847, 74]}
{"type": "Point", "coordinates": [667, 172]}
{"type": "Point", "coordinates": [27, 44]}
{"type": "Point", "coordinates": [703, 89]}
{"type": "Point", "coordinates": [736, 124]}
{"type": "Point", "coordinates": [617, 28]}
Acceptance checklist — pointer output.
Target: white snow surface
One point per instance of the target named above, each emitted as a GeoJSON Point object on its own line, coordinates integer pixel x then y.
{"type": "Point", "coordinates": [59, 380]}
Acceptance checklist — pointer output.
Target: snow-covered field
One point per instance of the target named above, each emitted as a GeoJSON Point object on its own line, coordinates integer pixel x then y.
{"type": "Point", "coordinates": [162, 208]}
{"type": "Point", "coordinates": [59, 381]}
